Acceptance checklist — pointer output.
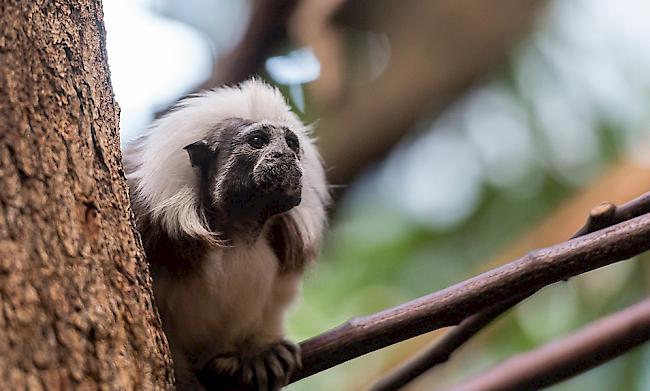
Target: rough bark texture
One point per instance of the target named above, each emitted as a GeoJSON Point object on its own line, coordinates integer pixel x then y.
{"type": "Point", "coordinates": [76, 308]}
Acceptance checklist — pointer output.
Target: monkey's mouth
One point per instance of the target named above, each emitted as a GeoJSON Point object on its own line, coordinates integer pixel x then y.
{"type": "Point", "coordinates": [280, 183]}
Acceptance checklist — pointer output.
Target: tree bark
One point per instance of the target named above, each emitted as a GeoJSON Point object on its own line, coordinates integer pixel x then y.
{"type": "Point", "coordinates": [76, 307]}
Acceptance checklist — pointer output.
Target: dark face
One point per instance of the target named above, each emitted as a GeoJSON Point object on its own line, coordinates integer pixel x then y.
{"type": "Point", "coordinates": [250, 172]}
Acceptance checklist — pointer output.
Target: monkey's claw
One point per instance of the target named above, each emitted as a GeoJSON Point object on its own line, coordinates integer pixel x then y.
{"type": "Point", "coordinates": [267, 370]}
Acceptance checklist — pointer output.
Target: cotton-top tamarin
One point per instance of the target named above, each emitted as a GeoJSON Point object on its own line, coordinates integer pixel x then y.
{"type": "Point", "coordinates": [229, 195]}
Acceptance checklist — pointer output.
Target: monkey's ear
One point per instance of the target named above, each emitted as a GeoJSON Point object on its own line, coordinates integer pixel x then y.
{"type": "Point", "coordinates": [201, 155]}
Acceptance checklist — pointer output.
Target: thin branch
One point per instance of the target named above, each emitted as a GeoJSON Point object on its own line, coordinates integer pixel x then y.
{"type": "Point", "coordinates": [454, 304]}
{"type": "Point", "coordinates": [601, 216]}
{"type": "Point", "coordinates": [561, 359]}
{"type": "Point", "coordinates": [441, 349]}
{"type": "Point", "coordinates": [607, 214]}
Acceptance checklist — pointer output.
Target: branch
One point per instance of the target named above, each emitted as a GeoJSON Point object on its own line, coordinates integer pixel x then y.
{"type": "Point", "coordinates": [561, 359]}
{"type": "Point", "coordinates": [601, 216]}
{"type": "Point", "coordinates": [442, 349]}
{"type": "Point", "coordinates": [452, 305]}
{"type": "Point", "coordinates": [607, 214]}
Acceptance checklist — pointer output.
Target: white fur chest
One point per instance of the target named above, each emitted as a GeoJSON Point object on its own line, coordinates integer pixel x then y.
{"type": "Point", "coordinates": [225, 305]}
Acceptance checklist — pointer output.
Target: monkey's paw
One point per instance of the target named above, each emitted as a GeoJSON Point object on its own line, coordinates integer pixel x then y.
{"type": "Point", "coordinates": [266, 370]}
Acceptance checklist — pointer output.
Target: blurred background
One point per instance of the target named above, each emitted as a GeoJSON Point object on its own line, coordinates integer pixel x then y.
{"type": "Point", "coordinates": [459, 135]}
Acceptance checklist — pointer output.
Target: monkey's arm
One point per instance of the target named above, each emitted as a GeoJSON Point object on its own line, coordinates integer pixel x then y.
{"type": "Point", "coordinates": [269, 360]}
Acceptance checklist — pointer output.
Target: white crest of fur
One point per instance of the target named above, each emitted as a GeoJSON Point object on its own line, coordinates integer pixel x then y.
{"type": "Point", "coordinates": [164, 182]}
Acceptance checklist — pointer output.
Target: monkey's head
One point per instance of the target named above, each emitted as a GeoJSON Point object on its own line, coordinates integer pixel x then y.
{"type": "Point", "coordinates": [232, 155]}
{"type": "Point", "coordinates": [249, 171]}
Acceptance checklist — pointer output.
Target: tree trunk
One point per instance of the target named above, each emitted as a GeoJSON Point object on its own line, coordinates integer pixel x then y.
{"type": "Point", "coordinates": [76, 307]}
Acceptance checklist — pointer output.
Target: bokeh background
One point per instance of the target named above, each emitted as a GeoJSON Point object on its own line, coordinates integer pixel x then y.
{"type": "Point", "coordinates": [459, 135]}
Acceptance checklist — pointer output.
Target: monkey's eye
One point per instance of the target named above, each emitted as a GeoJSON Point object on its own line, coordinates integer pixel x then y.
{"type": "Point", "coordinates": [292, 142]}
{"type": "Point", "coordinates": [257, 141]}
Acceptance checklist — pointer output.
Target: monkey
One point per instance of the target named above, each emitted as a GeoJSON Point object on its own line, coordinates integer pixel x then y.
{"type": "Point", "coordinates": [229, 196]}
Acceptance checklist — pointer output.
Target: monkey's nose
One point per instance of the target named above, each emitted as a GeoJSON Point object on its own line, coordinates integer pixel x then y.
{"type": "Point", "coordinates": [278, 154]}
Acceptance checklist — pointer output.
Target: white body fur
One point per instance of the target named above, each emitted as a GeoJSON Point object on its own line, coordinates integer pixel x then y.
{"type": "Point", "coordinates": [240, 294]}
{"type": "Point", "coordinates": [238, 298]}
